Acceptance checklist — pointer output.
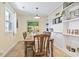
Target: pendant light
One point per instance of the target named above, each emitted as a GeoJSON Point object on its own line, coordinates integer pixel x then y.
{"type": "Point", "coordinates": [37, 16]}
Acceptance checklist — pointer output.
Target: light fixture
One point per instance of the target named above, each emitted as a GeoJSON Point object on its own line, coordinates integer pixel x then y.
{"type": "Point", "coordinates": [36, 16]}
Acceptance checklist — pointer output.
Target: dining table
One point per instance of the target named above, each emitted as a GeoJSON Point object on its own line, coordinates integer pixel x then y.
{"type": "Point", "coordinates": [29, 43]}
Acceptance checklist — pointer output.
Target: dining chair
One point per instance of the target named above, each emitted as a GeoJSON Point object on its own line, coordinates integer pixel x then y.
{"type": "Point", "coordinates": [48, 33]}
{"type": "Point", "coordinates": [41, 45]}
{"type": "Point", "coordinates": [51, 41]}
{"type": "Point", "coordinates": [24, 35]}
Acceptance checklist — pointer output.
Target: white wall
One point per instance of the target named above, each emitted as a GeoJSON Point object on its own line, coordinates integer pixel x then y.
{"type": "Point", "coordinates": [58, 28]}
{"type": "Point", "coordinates": [22, 21]}
{"type": "Point", "coordinates": [7, 40]}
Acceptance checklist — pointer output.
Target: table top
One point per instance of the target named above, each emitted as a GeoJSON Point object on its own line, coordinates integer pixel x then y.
{"type": "Point", "coordinates": [29, 38]}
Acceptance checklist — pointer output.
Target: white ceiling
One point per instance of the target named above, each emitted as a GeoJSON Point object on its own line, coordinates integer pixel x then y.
{"type": "Point", "coordinates": [45, 8]}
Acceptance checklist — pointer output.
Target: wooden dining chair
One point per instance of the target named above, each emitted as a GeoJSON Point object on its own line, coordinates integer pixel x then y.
{"type": "Point", "coordinates": [48, 33]}
{"type": "Point", "coordinates": [41, 45]}
{"type": "Point", "coordinates": [24, 35]}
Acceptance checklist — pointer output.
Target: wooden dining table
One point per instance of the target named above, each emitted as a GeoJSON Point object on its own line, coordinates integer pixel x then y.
{"type": "Point", "coordinates": [29, 42]}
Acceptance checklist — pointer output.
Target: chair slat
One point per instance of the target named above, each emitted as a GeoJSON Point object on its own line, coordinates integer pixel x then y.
{"type": "Point", "coordinates": [42, 43]}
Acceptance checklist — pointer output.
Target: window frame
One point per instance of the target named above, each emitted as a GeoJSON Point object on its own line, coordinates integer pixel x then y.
{"type": "Point", "coordinates": [11, 21]}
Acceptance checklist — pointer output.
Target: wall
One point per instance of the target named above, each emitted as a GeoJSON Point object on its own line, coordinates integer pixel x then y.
{"type": "Point", "coordinates": [7, 40]}
{"type": "Point", "coordinates": [58, 28]}
{"type": "Point", "coordinates": [22, 21]}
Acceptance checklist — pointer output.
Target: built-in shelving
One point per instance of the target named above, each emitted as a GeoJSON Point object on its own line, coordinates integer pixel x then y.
{"type": "Point", "coordinates": [70, 35]}
{"type": "Point", "coordinates": [72, 54]}
{"type": "Point", "coordinates": [75, 19]}
{"type": "Point", "coordinates": [72, 5]}
{"type": "Point", "coordinates": [68, 6]}
{"type": "Point", "coordinates": [72, 24]}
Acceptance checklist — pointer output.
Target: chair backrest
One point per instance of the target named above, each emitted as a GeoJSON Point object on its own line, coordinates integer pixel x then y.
{"type": "Point", "coordinates": [48, 33]}
{"type": "Point", "coordinates": [41, 42]}
{"type": "Point", "coordinates": [24, 35]}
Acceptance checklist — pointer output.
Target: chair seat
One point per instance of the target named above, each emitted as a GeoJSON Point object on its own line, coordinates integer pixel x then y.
{"type": "Point", "coordinates": [40, 53]}
{"type": "Point", "coordinates": [36, 53]}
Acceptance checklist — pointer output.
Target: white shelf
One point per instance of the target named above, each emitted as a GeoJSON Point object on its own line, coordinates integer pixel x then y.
{"type": "Point", "coordinates": [75, 19]}
{"type": "Point", "coordinates": [70, 35]}
{"type": "Point", "coordinates": [70, 54]}
{"type": "Point", "coordinates": [70, 6]}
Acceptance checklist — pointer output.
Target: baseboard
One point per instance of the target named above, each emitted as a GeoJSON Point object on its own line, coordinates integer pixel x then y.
{"type": "Point", "coordinates": [63, 50]}
{"type": "Point", "coordinates": [9, 49]}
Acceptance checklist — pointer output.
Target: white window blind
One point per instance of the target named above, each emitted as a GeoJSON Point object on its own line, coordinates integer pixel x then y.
{"type": "Point", "coordinates": [10, 21]}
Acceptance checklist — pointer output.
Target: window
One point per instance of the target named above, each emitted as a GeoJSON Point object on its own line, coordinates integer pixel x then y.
{"type": "Point", "coordinates": [10, 21]}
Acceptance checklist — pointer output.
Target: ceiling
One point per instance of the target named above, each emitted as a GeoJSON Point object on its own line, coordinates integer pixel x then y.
{"type": "Point", "coordinates": [29, 8]}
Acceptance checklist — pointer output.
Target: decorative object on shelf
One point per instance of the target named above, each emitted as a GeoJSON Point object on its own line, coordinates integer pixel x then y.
{"type": "Point", "coordinates": [76, 13]}
{"type": "Point", "coordinates": [62, 13]}
{"type": "Point", "coordinates": [73, 31]}
{"type": "Point", "coordinates": [60, 19]}
{"type": "Point", "coordinates": [76, 31]}
{"type": "Point", "coordinates": [66, 4]}
{"type": "Point", "coordinates": [71, 14]}
{"type": "Point", "coordinates": [57, 20]}
{"type": "Point", "coordinates": [69, 31]}
{"type": "Point", "coordinates": [47, 29]}
{"type": "Point", "coordinates": [69, 48]}
{"type": "Point", "coordinates": [47, 24]}
{"type": "Point", "coordinates": [57, 14]}
{"type": "Point", "coordinates": [73, 50]}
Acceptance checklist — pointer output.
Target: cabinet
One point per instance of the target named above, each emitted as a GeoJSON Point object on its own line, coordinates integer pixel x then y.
{"type": "Point", "coordinates": [71, 20]}
{"type": "Point", "coordinates": [71, 28]}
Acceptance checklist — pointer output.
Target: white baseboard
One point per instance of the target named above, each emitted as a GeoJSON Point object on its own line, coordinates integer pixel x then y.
{"type": "Point", "coordinates": [4, 54]}
{"type": "Point", "coordinates": [63, 50]}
